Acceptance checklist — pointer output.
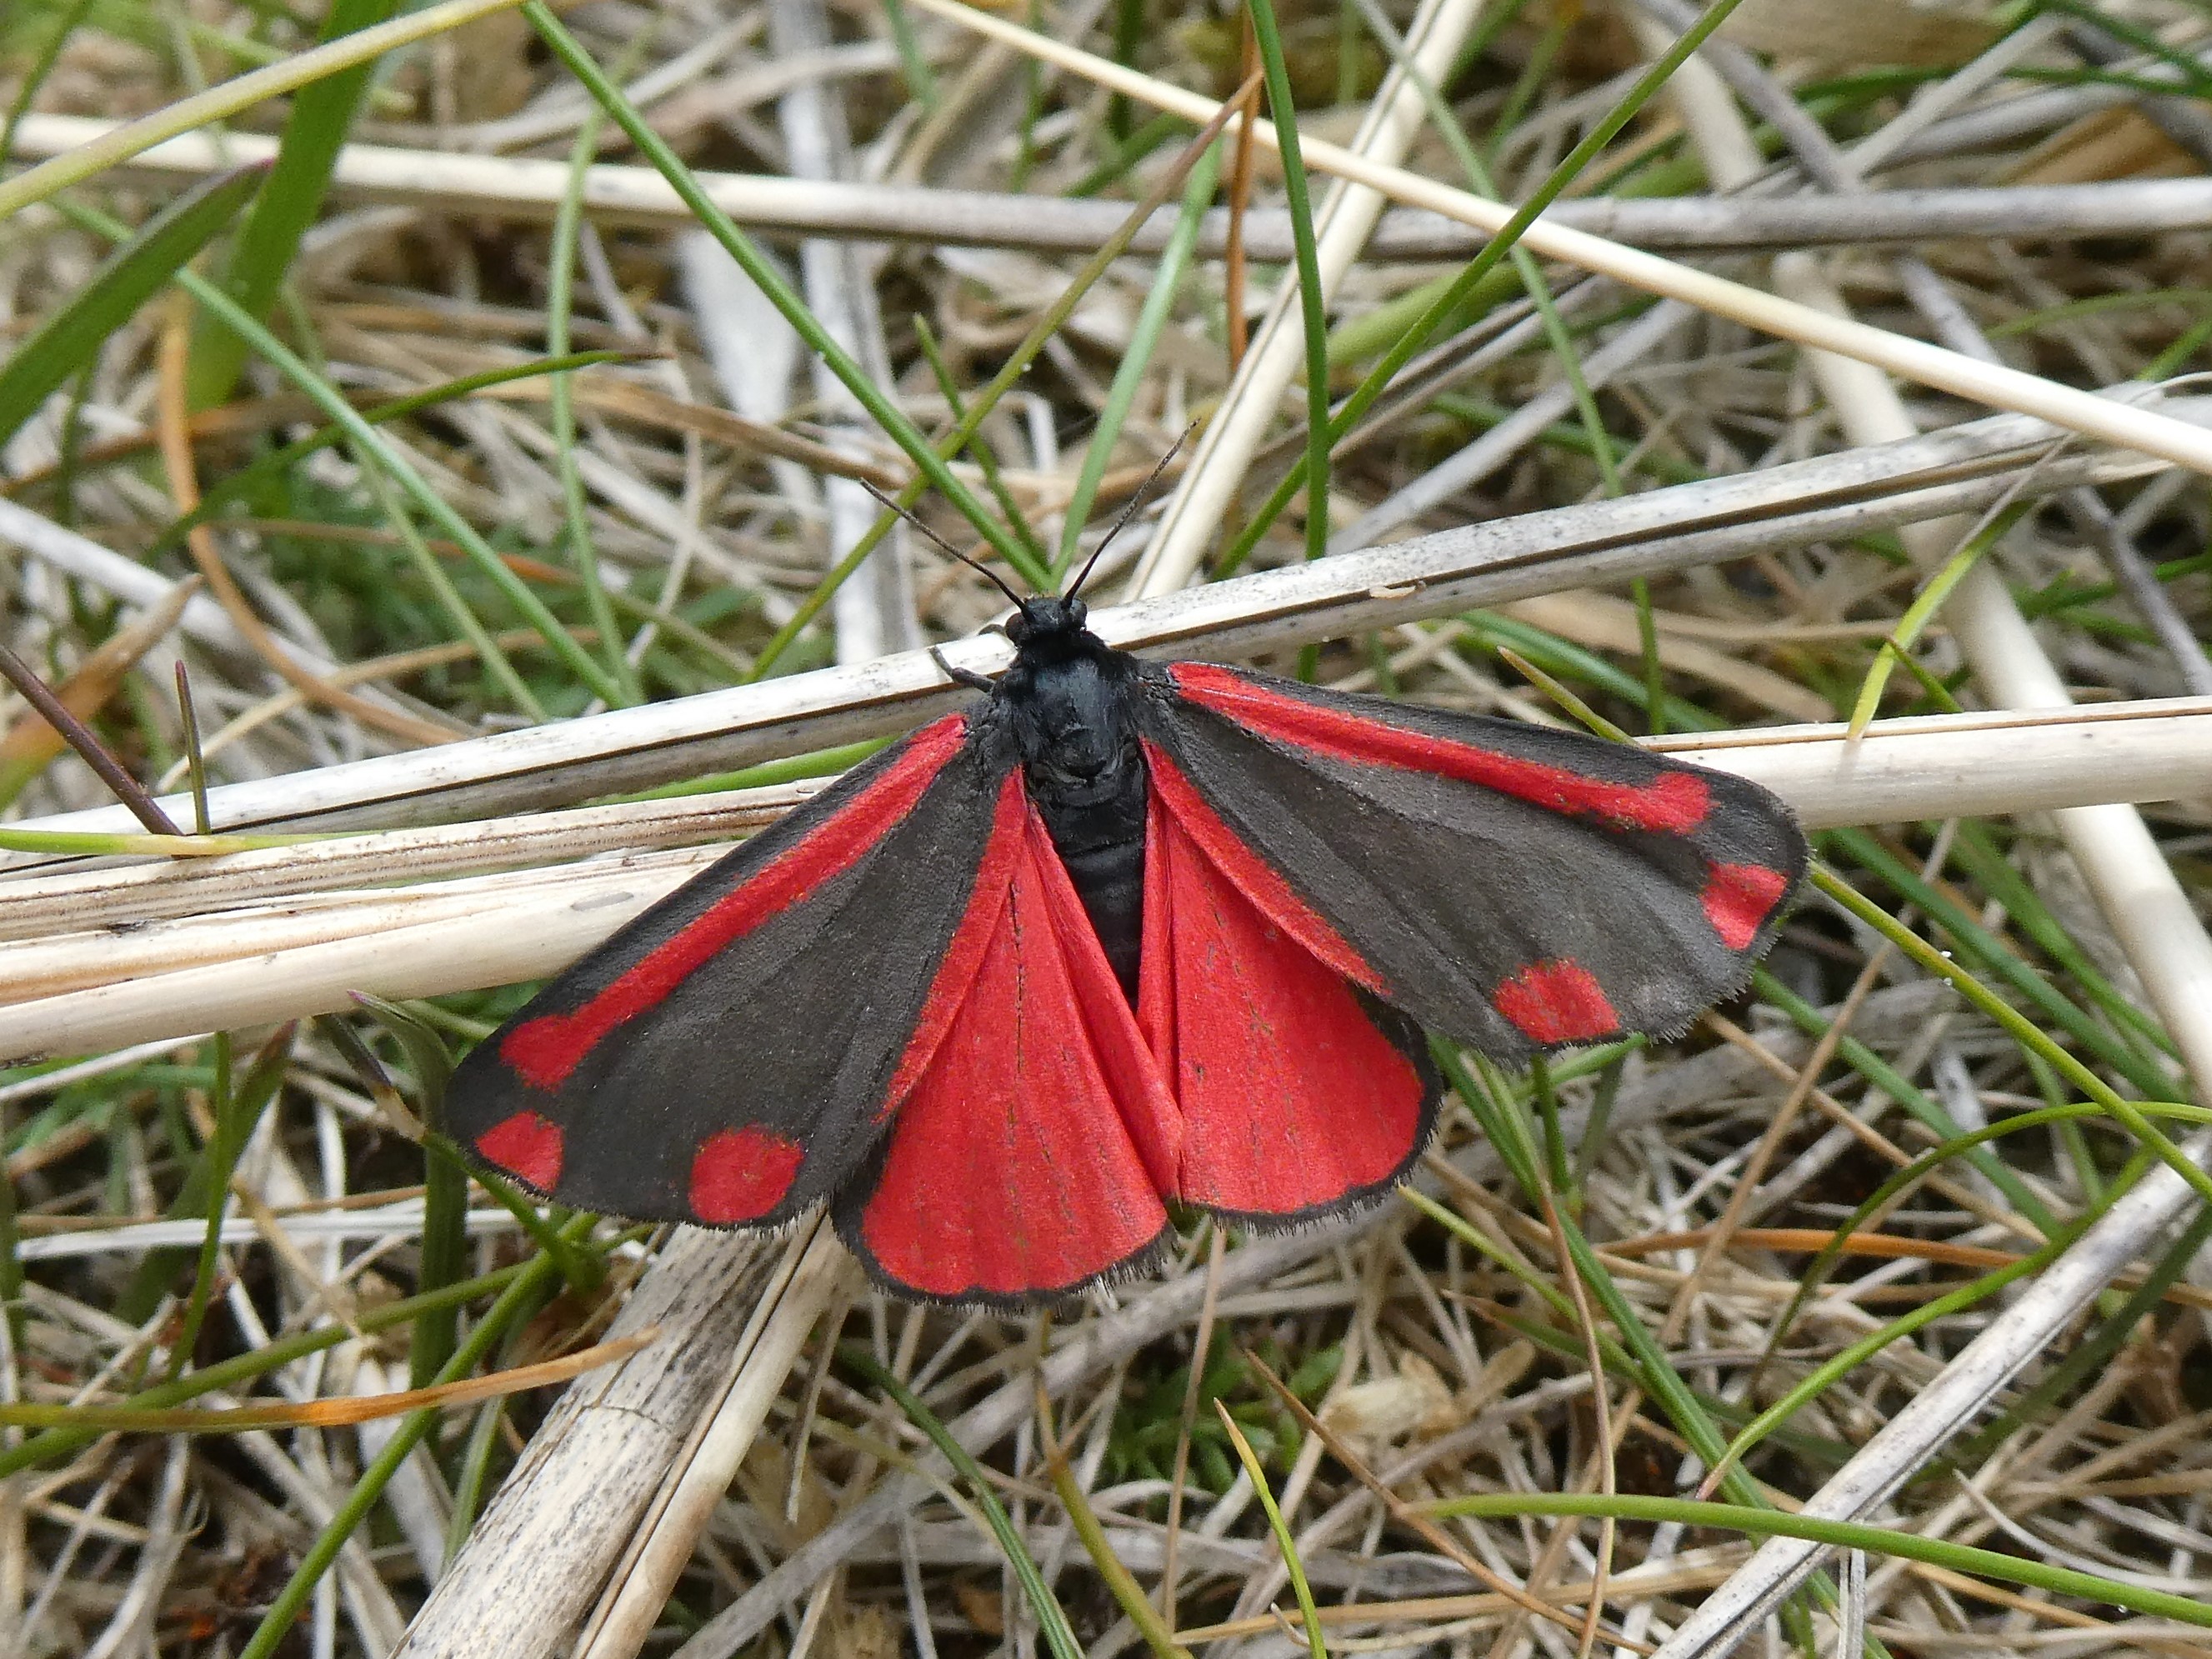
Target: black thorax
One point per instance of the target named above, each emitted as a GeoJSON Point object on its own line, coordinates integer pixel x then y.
{"type": "Point", "coordinates": [1068, 698]}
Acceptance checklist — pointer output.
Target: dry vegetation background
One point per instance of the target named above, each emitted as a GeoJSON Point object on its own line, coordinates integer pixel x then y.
{"type": "Point", "coordinates": [512, 454]}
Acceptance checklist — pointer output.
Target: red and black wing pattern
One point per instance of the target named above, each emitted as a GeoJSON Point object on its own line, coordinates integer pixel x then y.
{"type": "Point", "coordinates": [1035, 1137]}
{"type": "Point", "coordinates": [728, 1057]}
{"type": "Point", "coordinates": [1301, 1094]}
{"type": "Point", "coordinates": [1510, 887]}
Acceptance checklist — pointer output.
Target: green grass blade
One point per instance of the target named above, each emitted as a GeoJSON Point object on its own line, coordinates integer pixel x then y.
{"type": "Point", "coordinates": [1135, 1605]}
{"type": "Point", "coordinates": [314, 132]}
{"type": "Point", "coordinates": [1922, 611]}
{"type": "Point", "coordinates": [1017, 364]}
{"type": "Point", "coordinates": [71, 338]}
{"type": "Point", "coordinates": [515, 1303]}
{"type": "Point", "coordinates": [66, 24]}
{"type": "Point", "coordinates": [1839, 1534]}
{"type": "Point", "coordinates": [985, 458]}
{"type": "Point", "coordinates": [2098, 1350]}
{"type": "Point", "coordinates": [1989, 953]}
{"type": "Point", "coordinates": [1920, 1104]}
{"type": "Point", "coordinates": [1129, 376]}
{"type": "Point", "coordinates": [770, 281]}
{"type": "Point", "coordinates": [1294, 1569]}
{"type": "Point", "coordinates": [1313, 305]}
{"type": "Point", "coordinates": [206, 1185]}
{"type": "Point", "coordinates": [1386, 368]}
{"type": "Point", "coordinates": [1838, 1366]}
{"type": "Point", "coordinates": [395, 465]}
{"type": "Point", "coordinates": [250, 479]}
{"type": "Point", "coordinates": [2022, 1030]}
{"type": "Point", "coordinates": [1052, 1621]}
{"type": "Point", "coordinates": [247, 1368]}
{"type": "Point", "coordinates": [560, 302]}
{"type": "Point", "coordinates": [113, 147]}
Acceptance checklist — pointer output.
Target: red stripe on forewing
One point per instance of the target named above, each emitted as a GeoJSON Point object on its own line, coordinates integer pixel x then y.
{"type": "Point", "coordinates": [1291, 1097]}
{"type": "Point", "coordinates": [526, 1147]}
{"type": "Point", "coordinates": [740, 1174]}
{"type": "Point", "coordinates": [1556, 1002]}
{"type": "Point", "coordinates": [1738, 899]}
{"type": "Point", "coordinates": [1674, 801]}
{"type": "Point", "coordinates": [1014, 1168]}
{"type": "Point", "coordinates": [971, 939]}
{"type": "Point", "coordinates": [1252, 875]}
{"type": "Point", "coordinates": [546, 1050]}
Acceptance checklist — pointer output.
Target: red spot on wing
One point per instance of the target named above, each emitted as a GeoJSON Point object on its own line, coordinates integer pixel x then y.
{"type": "Point", "coordinates": [1738, 899]}
{"type": "Point", "coordinates": [740, 1174]}
{"type": "Point", "coordinates": [1674, 802]}
{"type": "Point", "coordinates": [1021, 1159]}
{"type": "Point", "coordinates": [526, 1147]}
{"type": "Point", "coordinates": [1556, 1002]}
{"type": "Point", "coordinates": [546, 1050]}
{"type": "Point", "coordinates": [1291, 1097]}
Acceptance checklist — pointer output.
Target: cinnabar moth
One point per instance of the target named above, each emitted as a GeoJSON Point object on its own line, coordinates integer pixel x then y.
{"type": "Point", "coordinates": [1121, 937]}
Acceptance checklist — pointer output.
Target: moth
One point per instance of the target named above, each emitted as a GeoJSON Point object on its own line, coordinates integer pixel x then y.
{"type": "Point", "coordinates": [1121, 939]}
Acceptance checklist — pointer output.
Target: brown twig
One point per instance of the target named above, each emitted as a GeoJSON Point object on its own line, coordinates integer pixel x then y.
{"type": "Point", "coordinates": [81, 737]}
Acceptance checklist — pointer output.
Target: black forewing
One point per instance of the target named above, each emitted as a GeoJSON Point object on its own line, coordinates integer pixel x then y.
{"type": "Point", "coordinates": [1454, 891]}
{"type": "Point", "coordinates": [679, 1075]}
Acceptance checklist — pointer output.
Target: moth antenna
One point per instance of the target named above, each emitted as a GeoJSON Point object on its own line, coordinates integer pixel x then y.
{"type": "Point", "coordinates": [1136, 501]}
{"type": "Point", "coordinates": [890, 505]}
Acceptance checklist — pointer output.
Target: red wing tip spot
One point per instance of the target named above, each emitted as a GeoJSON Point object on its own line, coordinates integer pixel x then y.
{"type": "Point", "coordinates": [1738, 899]}
{"type": "Point", "coordinates": [527, 1146]}
{"type": "Point", "coordinates": [740, 1174]}
{"type": "Point", "coordinates": [1556, 1002]}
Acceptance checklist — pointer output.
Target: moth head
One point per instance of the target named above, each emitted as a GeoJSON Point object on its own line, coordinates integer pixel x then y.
{"type": "Point", "coordinates": [1037, 620]}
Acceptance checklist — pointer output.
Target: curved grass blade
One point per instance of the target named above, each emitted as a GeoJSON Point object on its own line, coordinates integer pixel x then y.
{"type": "Point", "coordinates": [1293, 1569]}
{"type": "Point", "coordinates": [71, 338]}
{"type": "Point", "coordinates": [1052, 1622]}
{"type": "Point", "coordinates": [1920, 1104]}
{"type": "Point", "coordinates": [117, 145]}
{"type": "Point", "coordinates": [1839, 1534]}
{"type": "Point", "coordinates": [314, 132]}
{"type": "Point", "coordinates": [1313, 305]}
{"type": "Point", "coordinates": [1129, 376]}
{"type": "Point", "coordinates": [515, 1303]}
{"type": "Point", "coordinates": [249, 1367]}
{"type": "Point", "coordinates": [1410, 343]}
{"type": "Point", "coordinates": [1833, 1370]}
{"type": "Point", "coordinates": [2022, 1030]}
{"type": "Point", "coordinates": [1902, 1182]}
{"type": "Point", "coordinates": [1922, 611]}
{"type": "Point", "coordinates": [1135, 1605]}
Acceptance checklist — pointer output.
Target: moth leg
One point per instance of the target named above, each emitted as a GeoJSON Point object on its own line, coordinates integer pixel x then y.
{"type": "Point", "coordinates": [967, 677]}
